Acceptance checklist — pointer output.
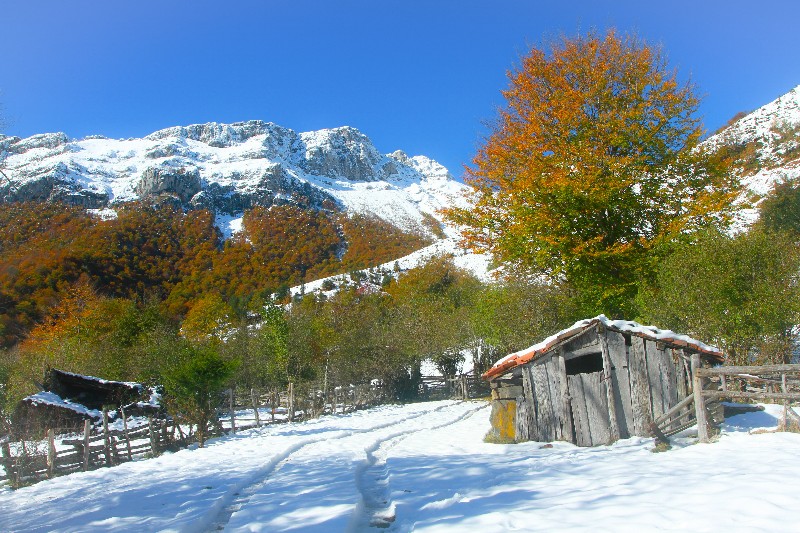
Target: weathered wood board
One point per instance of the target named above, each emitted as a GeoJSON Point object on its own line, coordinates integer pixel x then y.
{"type": "Point", "coordinates": [680, 373]}
{"type": "Point", "coordinates": [654, 379]}
{"type": "Point", "coordinates": [640, 388]}
{"type": "Point", "coordinates": [583, 435]}
{"type": "Point", "coordinates": [584, 340]}
{"type": "Point", "coordinates": [594, 390]}
{"type": "Point", "coordinates": [566, 409]}
{"type": "Point", "coordinates": [668, 378]}
{"type": "Point", "coordinates": [544, 405]}
{"type": "Point", "coordinates": [621, 381]}
{"type": "Point", "coordinates": [529, 389]}
{"type": "Point", "coordinates": [522, 420]}
{"type": "Point", "coordinates": [553, 380]}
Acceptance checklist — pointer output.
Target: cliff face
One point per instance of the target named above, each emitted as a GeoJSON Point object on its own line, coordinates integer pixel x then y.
{"type": "Point", "coordinates": [228, 168]}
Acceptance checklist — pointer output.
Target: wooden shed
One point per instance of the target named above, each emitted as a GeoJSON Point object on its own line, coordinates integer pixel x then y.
{"type": "Point", "coordinates": [593, 383]}
{"type": "Point", "coordinates": [68, 399]}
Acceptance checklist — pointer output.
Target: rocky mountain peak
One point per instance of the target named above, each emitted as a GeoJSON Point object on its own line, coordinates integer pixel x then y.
{"type": "Point", "coordinates": [228, 168]}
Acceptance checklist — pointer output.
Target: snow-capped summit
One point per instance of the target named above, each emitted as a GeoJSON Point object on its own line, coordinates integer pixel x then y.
{"type": "Point", "coordinates": [229, 168]}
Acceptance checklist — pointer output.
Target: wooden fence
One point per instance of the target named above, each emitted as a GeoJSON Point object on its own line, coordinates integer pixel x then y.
{"type": "Point", "coordinates": [464, 387]}
{"type": "Point", "coordinates": [241, 409]}
{"type": "Point", "coordinates": [710, 386]}
{"type": "Point", "coordinates": [31, 461]}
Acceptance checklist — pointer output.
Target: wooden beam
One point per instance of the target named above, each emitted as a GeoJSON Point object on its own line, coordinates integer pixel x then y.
{"type": "Point", "coordinates": [655, 379]}
{"type": "Point", "coordinates": [51, 453]}
{"type": "Point", "coordinates": [719, 395]}
{"type": "Point", "coordinates": [765, 369]}
{"type": "Point", "coordinates": [675, 410]}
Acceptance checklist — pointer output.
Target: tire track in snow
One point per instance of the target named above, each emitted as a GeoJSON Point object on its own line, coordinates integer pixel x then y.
{"type": "Point", "coordinates": [220, 513]}
{"type": "Point", "coordinates": [376, 508]}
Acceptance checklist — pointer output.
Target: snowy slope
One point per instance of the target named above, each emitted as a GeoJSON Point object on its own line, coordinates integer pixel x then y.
{"type": "Point", "coordinates": [772, 159]}
{"type": "Point", "coordinates": [425, 467]}
{"type": "Point", "coordinates": [229, 167]}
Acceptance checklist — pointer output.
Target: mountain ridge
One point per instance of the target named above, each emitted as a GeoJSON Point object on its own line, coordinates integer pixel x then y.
{"type": "Point", "coordinates": [229, 168]}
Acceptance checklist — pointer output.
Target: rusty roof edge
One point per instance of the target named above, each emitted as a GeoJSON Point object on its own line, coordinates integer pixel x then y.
{"type": "Point", "coordinates": [575, 331]}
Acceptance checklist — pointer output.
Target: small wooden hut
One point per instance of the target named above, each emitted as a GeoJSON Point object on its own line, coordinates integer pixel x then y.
{"type": "Point", "coordinates": [68, 399]}
{"type": "Point", "coordinates": [593, 383]}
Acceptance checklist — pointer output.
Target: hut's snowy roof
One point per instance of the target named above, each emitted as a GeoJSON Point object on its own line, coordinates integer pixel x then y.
{"type": "Point", "coordinates": [625, 326]}
{"type": "Point", "coordinates": [54, 400]}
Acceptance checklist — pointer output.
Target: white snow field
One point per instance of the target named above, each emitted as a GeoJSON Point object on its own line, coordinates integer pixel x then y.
{"type": "Point", "coordinates": [425, 467]}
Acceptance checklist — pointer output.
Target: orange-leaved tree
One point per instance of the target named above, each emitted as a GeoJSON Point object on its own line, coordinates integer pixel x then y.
{"type": "Point", "coordinates": [592, 164]}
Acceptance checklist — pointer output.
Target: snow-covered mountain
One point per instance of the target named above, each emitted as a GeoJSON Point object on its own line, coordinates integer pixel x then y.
{"type": "Point", "coordinates": [767, 141]}
{"type": "Point", "coordinates": [229, 168]}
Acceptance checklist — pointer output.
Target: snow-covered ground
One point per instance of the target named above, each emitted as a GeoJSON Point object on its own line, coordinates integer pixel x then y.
{"type": "Point", "coordinates": [425, 467]}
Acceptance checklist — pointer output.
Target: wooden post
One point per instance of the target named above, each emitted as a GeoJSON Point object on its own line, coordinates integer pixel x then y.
{"type": "Point", "coordinates": [699, 401]}
{"type": "Point", "coordinates": [127, 437]}
{"type": "Point", "coordinates": [334, 401]}
{"type": "Point", "coordinates": [254, 399]}
{"type": "Point", "coordinates": [273, 400]}
{"type": "Point", "coordinates": [8, 462]}
{"type": "Point", "coordinates": [785, 422]}
{"type": "Point", "coordinates": [87, 429]}
{"type": "Point", "coordinates": [106, 438]}
{"type": "Point", "coordinates": [51, 453]}
{"type": "Point", "coordinates": [153, 436]}
{"type": "Point", "coordinates": [233, 414]}
{"type": "Point", "coordinates": [464, 387]}
{"type": "Point", "coordinates": [291, 401]}
{"type": "Point", "coordinates": [164, 432]}
{"type": "Point", "coordinates": [610, 395]}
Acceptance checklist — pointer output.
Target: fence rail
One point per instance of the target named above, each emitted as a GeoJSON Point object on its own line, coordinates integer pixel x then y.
{"type": "Point", "coordinates": [710, 386]}
{"type": "Point", "coordinates": [27, 462]}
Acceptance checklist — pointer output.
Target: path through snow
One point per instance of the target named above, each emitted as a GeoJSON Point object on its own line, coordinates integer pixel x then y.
{"type": "Point", "coordinates": [425, 467]}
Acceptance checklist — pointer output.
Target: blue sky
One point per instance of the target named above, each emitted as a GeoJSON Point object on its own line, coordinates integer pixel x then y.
{"type": "Point", "coordinates": [422, 76]}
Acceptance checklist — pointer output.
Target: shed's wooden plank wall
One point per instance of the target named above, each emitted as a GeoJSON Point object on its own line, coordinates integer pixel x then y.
{"type": "Point", "coordinates": [647, 379]}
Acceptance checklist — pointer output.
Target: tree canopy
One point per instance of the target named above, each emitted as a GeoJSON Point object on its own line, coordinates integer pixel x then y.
{"type": "Point", "coordinates": [593, 163]}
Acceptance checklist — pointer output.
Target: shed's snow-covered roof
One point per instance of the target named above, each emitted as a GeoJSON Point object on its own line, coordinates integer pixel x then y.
{"type": "Point", "coordinates": [53, 399]}
{"type": "Point", "coordinates": [625, 326]}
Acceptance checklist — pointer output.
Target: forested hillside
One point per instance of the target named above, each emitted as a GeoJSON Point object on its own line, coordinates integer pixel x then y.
{"type": "Point", "coordinates": [166, 255]}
